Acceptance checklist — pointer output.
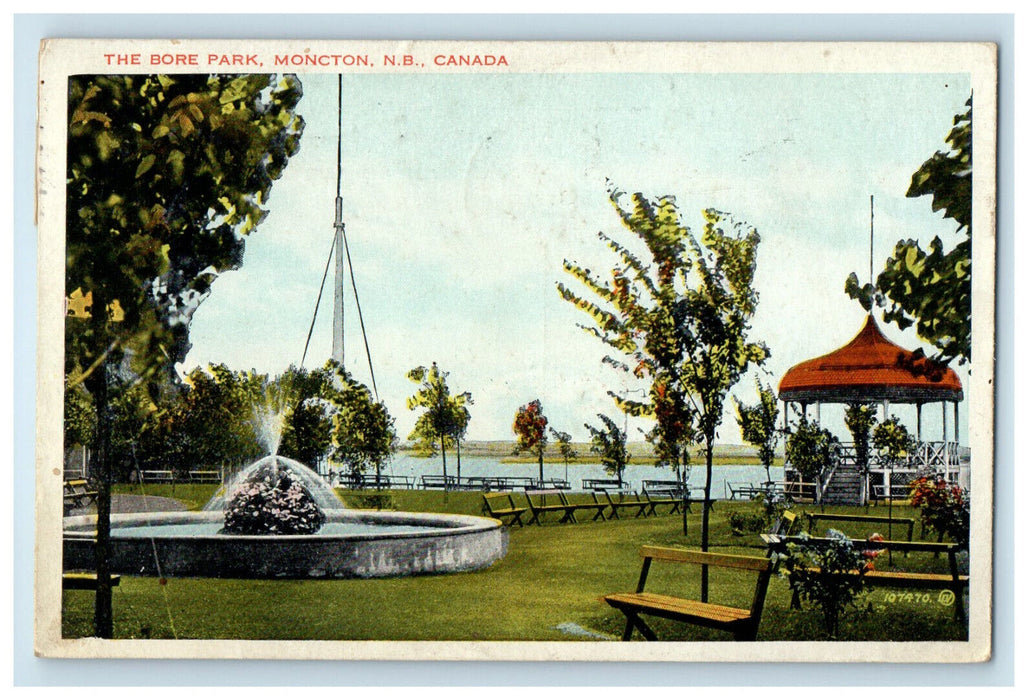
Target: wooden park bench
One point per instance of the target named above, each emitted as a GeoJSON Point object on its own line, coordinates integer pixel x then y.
{"type": "Point", "coordinates": [875, 520]}
{"type": "Point", "coordinates": [952, 581]}
{"type": "Point", "coordinates": [201, 476]}
{"type": "Point", "coordinates": [502, 507]}
{"type": "Point", "coordinates": [591, 485]}
{"type": "Point", "coordinates": [665, 493]}
{"type": "Point", "coordinates": [616, 500]}
{"type": "Point", "coordinates": [78, 494]}
{"type": "Point", "coordinates": [433, 481]}
{"type": "Point", "coordinates": [156, 476]}
{"type": "Point", "coordinates": [542, 501]}
{"type": "Point", "coordinates": [742, 622]}
{"type": "Point", "coordinates": [84, 581]}
{"type": "Point", "coordinates": [899, 492]}
{"type": "Point", "coordinates": [747, 490]}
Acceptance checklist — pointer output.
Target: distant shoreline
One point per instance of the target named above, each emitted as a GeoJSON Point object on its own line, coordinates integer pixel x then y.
{"type": "Point", "coordinates": [641, 453]}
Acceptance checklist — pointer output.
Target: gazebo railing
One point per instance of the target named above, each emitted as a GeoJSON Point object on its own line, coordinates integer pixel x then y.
{"type": "Point", "coordinates": [937, 455]}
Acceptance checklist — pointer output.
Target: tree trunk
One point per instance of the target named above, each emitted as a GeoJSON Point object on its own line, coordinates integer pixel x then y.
{"type": "Point", "coordinates": [704, 514]}
{"type": "Point", "coordinates": [540, 468]}
{"type": "Point", "coordinates": [445, 478]}
{"type": "Point", "coordinates": [97, 384]}
{"type": "Point", "coordinates": [686, 494]}
{"type": "Point", "coordinates": [458, 460]}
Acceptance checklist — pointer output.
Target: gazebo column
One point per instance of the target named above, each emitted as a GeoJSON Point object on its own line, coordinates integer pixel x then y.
{"type": "Point", "coordinates": [919, 424]}
{"type": "Point", "coordinates": [945, 441]}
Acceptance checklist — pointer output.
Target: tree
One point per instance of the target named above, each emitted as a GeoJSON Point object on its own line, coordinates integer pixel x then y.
{"type": "Point", "coordinates": [166, 175]}
{"type": "Point", "coordinates": [309, 420]}
{"type": "Point", "coordinates": [810, 450]}
{"type": "Point", "coordinates": [461, 419]}
{"type": "Point", "coordinates": [932, 289]}
{"type": "Point", "coordinates": [680, 319]}
{"type": "Point", "coordinates": [443, 412]}
{"type": "Point", "coordinates": [860, 419]}
{"type": "Point", "coordinates": [568, 453]}
{"type": "Point", "coordinates": [758, 425]}
{"type": "Point", "coordinates": [530, 428]}
{"type": "Point", "coordinates": [892, 443]}
{"type": "Point", "coordinates": [609, 443]}
{"type": "Point", "coordinates": [364, 432]}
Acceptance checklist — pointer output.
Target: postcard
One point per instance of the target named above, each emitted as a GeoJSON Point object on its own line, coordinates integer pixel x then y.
{"type": "Point", "coordinates": [628, 351]}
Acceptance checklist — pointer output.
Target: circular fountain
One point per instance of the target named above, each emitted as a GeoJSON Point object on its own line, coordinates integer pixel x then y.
{"type": "Point", "coordinates": [348, 543]}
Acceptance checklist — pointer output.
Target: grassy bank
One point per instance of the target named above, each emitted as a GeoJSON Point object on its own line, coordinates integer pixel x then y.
{"type": "Point", "coordinates": [552, 580]}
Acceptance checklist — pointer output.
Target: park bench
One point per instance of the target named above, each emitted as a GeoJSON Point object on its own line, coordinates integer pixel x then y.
{"type": "Point", "coordinates": [201, 476]}
{"type": "Point", "coordinates": [542, 501]}
{"type": "Point", "coordinates": [372, 481]}
{"type": "Point", "coordinates": [78, 494]}
{"type": "Point", "coordinates": [433, 481]}
{"type": "Point", "coordinates": [875, 520]}
{"type": "Point", "coordinates": [502, 507]}
{"type": "Point", "coordinates": [744, 489]}
{"type": "Point", "coordinates": [664, 493]}
{"type": "Point", "coordinates": [84, 581]}
{"type": "Point", "coordinates": [616, 500]}
{"type": "Point", "coordinates": [591, 485]}
{"type": "Point", "coordinates": [899, 492]}
{"type": "Point", "coordinates": [156, 476]}
{"type": "Point", "coordinates": [952, 581]}
{"type": "Point", "coordinates": [742, 622]}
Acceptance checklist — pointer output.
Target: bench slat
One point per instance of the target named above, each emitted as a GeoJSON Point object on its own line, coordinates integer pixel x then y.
{"type": "Point", "coordinates": [678, 608]}
{"type": "Point", "coordinates": [733, 561]}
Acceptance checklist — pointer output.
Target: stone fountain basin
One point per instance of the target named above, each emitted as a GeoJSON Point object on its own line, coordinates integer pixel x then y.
{"type": "Point", "coordinates": [351, 544]}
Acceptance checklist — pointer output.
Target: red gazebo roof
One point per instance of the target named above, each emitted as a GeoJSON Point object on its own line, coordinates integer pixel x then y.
{"type": "Point", "coordinates": [871, 368]}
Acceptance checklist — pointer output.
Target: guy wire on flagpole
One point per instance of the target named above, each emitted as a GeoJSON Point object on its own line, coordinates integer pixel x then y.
{"type": "Point", "coordinates": [339, 226]}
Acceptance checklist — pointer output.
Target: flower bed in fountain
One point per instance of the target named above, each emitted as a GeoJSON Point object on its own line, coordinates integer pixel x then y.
{"type": "Point", "coordinates": [272, 502]}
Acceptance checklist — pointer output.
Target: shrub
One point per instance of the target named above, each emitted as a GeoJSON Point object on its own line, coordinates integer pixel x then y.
{"type": "Point", "coordinates": [810, 450]}
{"type": "Point", "coordinates": [943, 508]}
{"type": "Point", "coordinates": [828, 574]}
{"type": "Point", "coordinates": [272, 503]}
{"type": "Point", "coordinates": [747, 523]}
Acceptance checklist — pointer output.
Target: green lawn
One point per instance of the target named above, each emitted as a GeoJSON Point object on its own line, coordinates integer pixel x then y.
{"type": "Point", "coordinates": [552, 580]}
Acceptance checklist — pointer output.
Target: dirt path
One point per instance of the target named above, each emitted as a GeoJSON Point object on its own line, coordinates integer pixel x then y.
{"type": "Point", "coordinates": [133, 503]}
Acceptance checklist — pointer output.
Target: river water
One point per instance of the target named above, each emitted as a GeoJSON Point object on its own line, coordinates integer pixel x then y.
{"type": "Point", "coordinates": [415, 467]}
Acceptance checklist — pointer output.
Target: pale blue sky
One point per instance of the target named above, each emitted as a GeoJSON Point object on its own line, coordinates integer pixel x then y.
{"type": "Point", "coordinates": [463, 194]}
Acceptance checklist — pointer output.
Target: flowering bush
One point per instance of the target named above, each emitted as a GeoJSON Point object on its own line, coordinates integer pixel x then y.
{"type": "Point", "coordinates": [943, 508]}
{"type": "Point", "coordinates": [827, 573]}
{"type": "Point", "coordinates": [272, 503]}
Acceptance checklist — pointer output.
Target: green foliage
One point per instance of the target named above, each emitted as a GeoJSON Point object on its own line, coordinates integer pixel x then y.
{"type": "Point", "coordinates": [166, 175]}
{"type": "Point", "coordinates": [563, 440]}
{"type": "Point", "coordinates": [363, 431]}
{"type": "Point", "coordinates": [860, 419]}
{"type": "Point", "coordinates": [679, 319]}
{"type": "Point", "coordinates": [745, 523]}
{"type": "Point", "coordinates": [892, 441]}
{"type": "Point", "coordinates": [758, 424]}
{"type": "Point", "coordinates": [80, 419]}
{"type": "Point", "coordinates": [445, 417]}
{"type": "Point", "coordinates": [609, 443]}
{"type": "Point", "coordinates": [932, 288]}
{"type": "Point", "coordinates": [810, 450]}
{"type": "Point", "coordinates": [827, 574]}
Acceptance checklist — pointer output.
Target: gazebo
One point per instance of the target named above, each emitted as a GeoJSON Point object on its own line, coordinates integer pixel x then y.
{"type": "Point", "coordinates": [871, 369]}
